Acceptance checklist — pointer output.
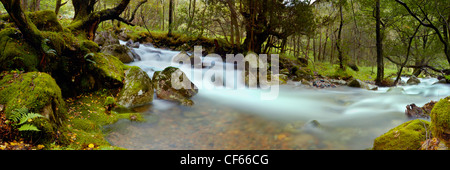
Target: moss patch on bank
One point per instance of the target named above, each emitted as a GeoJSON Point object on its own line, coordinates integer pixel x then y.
{"type": "Point", "coordinates": [86, 117]}
{"type": "Point", "coordinates": [407, 136]}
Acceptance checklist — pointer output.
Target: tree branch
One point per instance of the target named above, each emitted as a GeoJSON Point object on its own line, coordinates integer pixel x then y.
{"type": "Point", "coordinates": [414, 66]}
{"type": "Point", "coordinates": [135, 10]}
{"type": "Point", "coordinates": [430, 25]}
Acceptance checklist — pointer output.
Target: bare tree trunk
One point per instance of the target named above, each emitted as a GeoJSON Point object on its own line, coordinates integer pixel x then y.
{"type": "Point", "coordinates": [325, 46]}
{"type": "Point", "coordinates": [191, 16]}
{"type": "Point", "coordinates": [169, 34]}
{"type": "Point", "coordinates": [339, 40]}
{"type": "Point", "coordinates": [58, 6]}
{"type": "Point", "coordinates": [320, 45]}
{"type": "Point", "coordinates": [380, 63]}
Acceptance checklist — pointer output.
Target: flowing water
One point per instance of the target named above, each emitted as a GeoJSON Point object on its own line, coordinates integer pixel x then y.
{"type": "Point", "coordinates": [222, 118]}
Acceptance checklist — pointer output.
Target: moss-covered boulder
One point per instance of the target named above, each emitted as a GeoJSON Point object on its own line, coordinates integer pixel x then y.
{"type": "Point", "coordinates": [407, 136]}
{"type": "Point", "coordinates": [122, 52]}
{"type": "Point", "coordinates": [413, 80]}
{"type": "Point", "coordinates": [440, 120]}
{"type": "Point", "coordinates": [300, 73]}
{"type": "Point", "coordinates": [107, 71]}
{"type": "Point", "coordinates": [173, 84]}
{"type": "Point", "coordinates": [138, 88]}
{"type": "Point", "coordinates": [37, 93]}
{"type": "Point", "coordinates": [34, 90]}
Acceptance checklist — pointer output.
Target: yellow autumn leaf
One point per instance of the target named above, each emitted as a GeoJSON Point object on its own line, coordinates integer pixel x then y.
{"type": "Point", "coordinates": [91, 145]}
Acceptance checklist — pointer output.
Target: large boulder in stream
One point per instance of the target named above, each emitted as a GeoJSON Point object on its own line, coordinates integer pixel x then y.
{"type": "Point", "coordinates": [413, 80]}
{"type": "Point", "coordinates": [137, 90]}
{"type": "Point", "coordinates": [172, 84]}
{"type": "Point", "coordinates": [122, 52]}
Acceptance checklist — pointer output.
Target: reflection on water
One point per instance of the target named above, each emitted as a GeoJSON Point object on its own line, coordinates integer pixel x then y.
{"type": "Point", "coordinates": [237, 119]}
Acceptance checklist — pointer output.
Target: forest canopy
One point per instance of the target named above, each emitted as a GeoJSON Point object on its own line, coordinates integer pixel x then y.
{"type": "Point", "coordinates": [405, 33]}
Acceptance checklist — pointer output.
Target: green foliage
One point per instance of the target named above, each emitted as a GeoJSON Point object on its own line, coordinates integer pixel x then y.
{"type": "Point", "coordinates": [110, 101]}
{"type": "Point", "coordinates": [88, 58]}
{"type": "Point", "coordinates": [21, 116]}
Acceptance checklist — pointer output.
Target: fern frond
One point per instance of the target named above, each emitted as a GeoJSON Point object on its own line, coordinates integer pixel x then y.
{"type": "Point", "coordinates": [88, 58]}
{"type": "Point", "coordinates": [17, 114]}
{"type": "Point", "coordinates": [28, 116]}
{"type": "Point", "coordinates": [28, 127]}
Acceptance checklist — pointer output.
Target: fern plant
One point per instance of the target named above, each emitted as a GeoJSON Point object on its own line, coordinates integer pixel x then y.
{"type": "Point", "coordinates": [21, 117]}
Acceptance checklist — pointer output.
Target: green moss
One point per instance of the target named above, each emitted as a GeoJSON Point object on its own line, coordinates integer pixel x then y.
{"type": "Point", "coordinates": [440, 120]}
{"type": "Point", "coordinates": [303, 73]}
{"type": "Point", "coordinates": [132, 117]}
{"type": "Point", "coordinates": [138, 88]}
{"type": "Point", "coordinates": [34, 90]}
{"type": "Point", "coordinates": [45, 20]}
{"type": "Point", "coordinates": [447, 77]}
{"type": "Point", "coordinates": [108, 69]}
{"type": "Point", "coordinates": [14, 53]}
{"type": "Point", "coordinates": [407, 136]}
{"type": "Point", "coordinates": [86, 118]}
{"type": "Point", "coordinates": [56, 42]}
{"type": "Point", "coordinates": [88, 46]}
{"type": "Point", "coordinates": [110, 101]}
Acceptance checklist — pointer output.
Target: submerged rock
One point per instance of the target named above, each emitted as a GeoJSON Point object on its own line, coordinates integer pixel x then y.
{"type": "Point", "coordinates": [132, 44]}
{"type": "Point", "coordinates": [137, 90]}
{"type": "Point", "coordinates": [413, 80]}
{"type": "Point", "coordinates": [413, 111]}
{"type": "Point", "coordinates": [122, 52]}
{"type": "Point", "coordinates": [173, 84]}
{"type": "Point", "coordinates": [360, 84]}
{"type": "Point", "coordinates": [440, 120]}
{"type": "Point", "coordinates": [407, 136]}
{"type": "Point", "coordinates": [396, 90]}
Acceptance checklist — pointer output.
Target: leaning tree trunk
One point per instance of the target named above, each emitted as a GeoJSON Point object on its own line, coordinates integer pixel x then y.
{"type": "Point", "coordinates": [29, 31]}
{"type": "Point", "coordinates": [86, 21]}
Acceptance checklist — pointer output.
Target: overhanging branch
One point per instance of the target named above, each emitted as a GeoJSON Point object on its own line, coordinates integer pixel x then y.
{"type": "Point", "coordinates": [414, 66]}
